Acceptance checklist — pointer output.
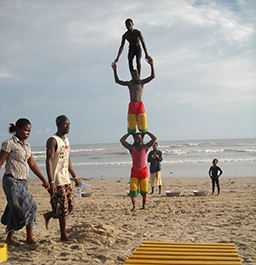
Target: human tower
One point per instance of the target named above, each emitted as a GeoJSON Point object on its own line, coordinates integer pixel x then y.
{"type": "Point", "coordinates": [137, 119]}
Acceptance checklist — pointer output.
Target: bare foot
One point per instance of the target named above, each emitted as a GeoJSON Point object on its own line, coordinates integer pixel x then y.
{"type": "Point", "coordinates": [30, 241]}
{"type": "Point", "coordinates": [64, 239]}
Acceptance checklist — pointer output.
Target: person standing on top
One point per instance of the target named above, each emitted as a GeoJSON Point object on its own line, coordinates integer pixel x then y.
{"type": "Point", "coordinates": [134, 37]}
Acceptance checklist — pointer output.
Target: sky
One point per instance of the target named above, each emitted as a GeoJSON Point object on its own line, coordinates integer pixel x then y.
{"type": "Point", "coordinates": [55, 58]}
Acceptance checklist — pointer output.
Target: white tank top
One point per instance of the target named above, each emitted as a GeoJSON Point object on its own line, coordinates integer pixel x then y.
{"type": "Point", "coordinates": [61, 161]}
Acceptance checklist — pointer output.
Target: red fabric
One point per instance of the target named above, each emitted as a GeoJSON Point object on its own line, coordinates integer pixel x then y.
{"type": "Point", "coordinates": [136, 108]}
{"type": "Point", "coordinates": [141, 173]}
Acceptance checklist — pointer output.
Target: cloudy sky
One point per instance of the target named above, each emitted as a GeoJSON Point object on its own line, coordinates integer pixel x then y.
{"type": "Point", "coordinates": [55, 58]}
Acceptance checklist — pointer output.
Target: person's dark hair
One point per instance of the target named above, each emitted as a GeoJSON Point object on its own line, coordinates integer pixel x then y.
{"type": "Point", "coordinates": [20, 123]}
{"type": "Point", "coordinates": [61, 119]}
{"type": "Point", "coordinates": [215, 160]}
{"type": "Point", "coordinates": [128, 20]}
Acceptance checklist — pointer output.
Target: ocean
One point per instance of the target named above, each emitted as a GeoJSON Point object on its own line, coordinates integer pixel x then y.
{"type": "Point", "coordinates": [192, 158]}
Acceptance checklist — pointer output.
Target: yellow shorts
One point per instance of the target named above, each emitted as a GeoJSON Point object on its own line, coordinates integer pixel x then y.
{"type": "Point", "coordinates": [138, 186]}
{"type": "Point", "coordinates": [155, 178]}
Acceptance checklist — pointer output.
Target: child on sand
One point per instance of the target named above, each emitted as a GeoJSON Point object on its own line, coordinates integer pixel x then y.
{"type": "Point", "coordinates": [214, 173]}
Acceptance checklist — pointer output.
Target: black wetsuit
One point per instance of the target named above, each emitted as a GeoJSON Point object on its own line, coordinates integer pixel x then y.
{"type": "Point", "coordinates": [213, 173]}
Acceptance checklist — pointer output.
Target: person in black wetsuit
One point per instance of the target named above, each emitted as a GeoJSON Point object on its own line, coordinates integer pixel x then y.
{"type": "Point", "coordinates": [134, 37]}
{"type": "Point", "coordinates": [214, 173]}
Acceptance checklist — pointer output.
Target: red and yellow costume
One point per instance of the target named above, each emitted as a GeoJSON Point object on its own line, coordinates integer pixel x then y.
{"type": "Point", "coordinates": [139, 173]}
{"type": "Point", "coordinates": [137, 117]}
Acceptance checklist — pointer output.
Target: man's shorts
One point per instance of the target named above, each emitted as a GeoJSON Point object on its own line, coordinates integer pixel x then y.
{"type": "Point", "coordinates": [139, 181]}
{"type": "Point", "coordinates": [155, 178]}
{"type": "Point", "coordinates": [137, 117]}
{"type": "Point", "coordinates": [62, 201]}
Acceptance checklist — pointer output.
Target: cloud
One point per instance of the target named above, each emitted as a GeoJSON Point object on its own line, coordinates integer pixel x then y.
{"type": "Point", "coordinates": [55, 57]}
{"type": "Point", "coordinates": [6, 74]}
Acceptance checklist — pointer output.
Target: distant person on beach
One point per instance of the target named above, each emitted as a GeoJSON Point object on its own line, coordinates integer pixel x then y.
{"type": "Point", "coordinates": [58, 167]}
{"type": "Point", "coordinates": [134, 37]}
{"type": "Point", "coordinates": [155, 158]}
{"type": "Point", "coordinates": [21, 207]}
{"type": "Point", "coordinates": [137, 117]}
{"type": "Point", "coordinates": [214, 173]}
{"type": "Point", "coordinates": [139, 171]}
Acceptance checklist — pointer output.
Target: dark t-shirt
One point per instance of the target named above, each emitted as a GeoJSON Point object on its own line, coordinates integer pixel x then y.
{"type": "Point", "coordinates": [154, 161]}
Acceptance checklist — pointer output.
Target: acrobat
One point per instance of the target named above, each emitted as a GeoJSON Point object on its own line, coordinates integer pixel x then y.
{"type": "Point", "coordinates": [134, 37]}
{"type": "Point", "coordinates": [136, 111]}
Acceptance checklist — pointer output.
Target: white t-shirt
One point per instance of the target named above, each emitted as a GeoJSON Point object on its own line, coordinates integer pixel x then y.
{"type": "Point", "coordinates": [61, 162]}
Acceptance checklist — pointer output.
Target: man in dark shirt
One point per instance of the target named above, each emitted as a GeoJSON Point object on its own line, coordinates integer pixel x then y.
{"type": "Point", "coordinates": [155, 158]}
{"type": "Point", "coordinates": [214, 173]}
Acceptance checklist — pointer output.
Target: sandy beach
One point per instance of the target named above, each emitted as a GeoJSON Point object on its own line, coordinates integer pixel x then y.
{"type": "Point", "coordinates": [103, 230]}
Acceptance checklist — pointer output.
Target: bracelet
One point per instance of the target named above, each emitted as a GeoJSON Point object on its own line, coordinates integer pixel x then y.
{"type": "Point", "coordinates": [51, 182]}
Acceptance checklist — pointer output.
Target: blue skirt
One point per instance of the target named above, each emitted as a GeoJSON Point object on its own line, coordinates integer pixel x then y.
{"type": "Point", "coordinates": [21, 208]}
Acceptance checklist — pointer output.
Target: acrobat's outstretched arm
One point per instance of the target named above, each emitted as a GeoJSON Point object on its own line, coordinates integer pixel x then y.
{"type": "Point", "coordinates": [152, 141]}
{"type": "Point", "coordinates": [152, 75]}
{"type": "Point", "coordinates": [144, 47]}
{"type": "Point", "coordinates": [117, 80]}
{"type": "Point", "coordinates": [120, 49]}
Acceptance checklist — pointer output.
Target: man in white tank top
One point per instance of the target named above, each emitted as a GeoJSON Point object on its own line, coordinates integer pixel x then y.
{"type": "Point", "coordinates": [58, 167]}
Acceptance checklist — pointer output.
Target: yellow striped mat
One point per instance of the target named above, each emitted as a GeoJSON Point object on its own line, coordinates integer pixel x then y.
{"type": "Point", "coordinates": [158, 253]}
{"type": "Point", "coordinates": [3, 252]}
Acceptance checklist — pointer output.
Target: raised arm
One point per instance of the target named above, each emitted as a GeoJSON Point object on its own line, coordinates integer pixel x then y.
{"type": "Point", "coordinates": [152, 141]}
{"type": "Point", "coordinates": [144, 46]}
{"type": "Point", "coordinates": [117, 80]}
{"type": "Point", "coordinates": [152, 75]}
{"type": "Point", "coordinates": [124, 142]}
{"type": "Point", "coordinates": [120, 49]}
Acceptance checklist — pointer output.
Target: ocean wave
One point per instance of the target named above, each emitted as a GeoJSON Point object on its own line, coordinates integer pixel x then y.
{"type": "Point", "coordinates": [87, 150]}
{"type": "Point", "coordinates": [191, 151]}
{"type": "Point", "coordinates": [165, 162]}
{"type": "Point", "coordinates": [245, 150]}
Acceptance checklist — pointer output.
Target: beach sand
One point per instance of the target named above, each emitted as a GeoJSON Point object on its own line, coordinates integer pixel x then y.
{"type": "Point", "coordinates": [103, 230]}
